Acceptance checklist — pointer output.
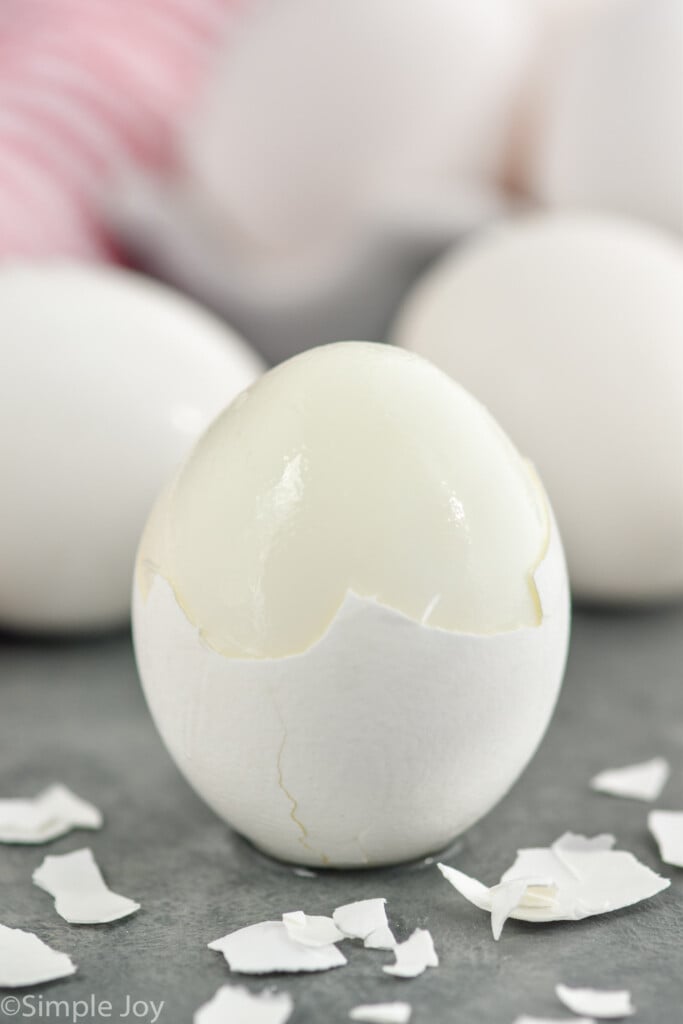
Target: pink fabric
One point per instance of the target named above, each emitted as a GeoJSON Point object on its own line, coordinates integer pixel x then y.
{"type": "Point", "coordinates": [87, 87]}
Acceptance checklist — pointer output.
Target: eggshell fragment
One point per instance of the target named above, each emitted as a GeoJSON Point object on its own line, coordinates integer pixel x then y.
{"type": "Point", "coordinates": [311, 930]}
{"type": "Point", "coordinates": [381, 938]}
{"type": "Point", "coordinates": [26, 960]}
{"type": "Point", "coordinates": [607, 1005]}
{"type": "Point", "coordinates": [526, 1019]}
{"type": "Point", "coordinates": [573, 879]}
{"type": "Point", "coordinates": [568, 328]}
{"type": "Point", "coordinates": [353, 477]}
{"type": "Point", "coordinates": [81, 894]}
{"type": "Point", "coordinates": [507, 896]}
{"type": "Point", "coordinates": [236, 1005]}
{"type": "Point", "coordinates": [107, 379]}
{"type": "Point", "coordinates": [643, 781]}
{"type": "Point", "coordinates": [413, 956]}
{"type": "Point", "coordinates": [367, 920]}
{"type": "Point", "coordinates": [382, 1013]}
{"type": "Point", "coordinates": [667, 828]}
{"type": "Point", "coordinates": [51, 814]}
{"type": "Point", "coordinates": [574, 842]}
{"type": "Point", "coordinates": [268, 948]}
{"type": "Point", "coordinates": [361, 919]}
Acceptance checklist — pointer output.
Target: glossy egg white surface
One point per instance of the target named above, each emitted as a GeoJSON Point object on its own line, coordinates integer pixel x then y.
{"type": "Point", "coordinates": [569, 328]}
{"type": "Point", "coordinates": [351, 610]}
{"type": "Point", "coordinates": [107, 379]}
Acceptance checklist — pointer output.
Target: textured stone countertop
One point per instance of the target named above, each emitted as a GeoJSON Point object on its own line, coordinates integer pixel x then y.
{"type": "Point", "coordinates": [74, 713]}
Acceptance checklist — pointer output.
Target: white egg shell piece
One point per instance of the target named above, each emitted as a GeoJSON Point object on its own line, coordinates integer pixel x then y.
{"type": "Point", "coordinates": [359, 506]}
{"type": "Point", "coordinates": [609, 134]}
{"type": "Point", "coordinates": [107, 379]}
{"type": "Point", "coordinates": [568, 327]}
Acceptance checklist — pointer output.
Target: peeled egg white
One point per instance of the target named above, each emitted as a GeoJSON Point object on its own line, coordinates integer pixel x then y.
{"type": "Point", "coordinates": [569, 328]}
{"type": "Point", "coordinates": [350, 610]}
{"type": "Point", "coordinates": [107, 379]}
{"type": "Point", "coordinates": [609, 134]}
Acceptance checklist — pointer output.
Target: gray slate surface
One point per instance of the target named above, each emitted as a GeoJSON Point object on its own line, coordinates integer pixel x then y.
{"type": "Point", "coordinates": [75, 713]}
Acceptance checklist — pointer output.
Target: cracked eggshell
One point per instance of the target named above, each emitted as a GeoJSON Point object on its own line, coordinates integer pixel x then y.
{"type": "Point", "coordinates": [568, 327]}
{"type": "Point", "coordinates": [107, 379]}
{"type": "Point", "coordinates": [399, 720]}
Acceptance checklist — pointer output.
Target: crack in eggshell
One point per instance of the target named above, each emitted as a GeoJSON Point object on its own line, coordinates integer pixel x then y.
{"type": "Point", "coordinates": [336, 734]}
{"type": "Point", "coordinates": [341, 737]}
{"type": "Point", "coordinates": [303, 838]}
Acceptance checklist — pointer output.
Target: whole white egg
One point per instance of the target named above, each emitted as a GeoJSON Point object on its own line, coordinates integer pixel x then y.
{"type": "Point", "coordinates": [331, 153]}
{"type": "Point", "coordinates": [558, 24]}
{"type": "Point", "coordinates": [570, 328]}
{"type": "Point", "coordinates": [610, 130]}
{"type": "Point", "coordinates": [107, 379]}
{"type": "Point", "coordinates": [351, 610]}
{"type": "Point", "coordinates": [309, 119]}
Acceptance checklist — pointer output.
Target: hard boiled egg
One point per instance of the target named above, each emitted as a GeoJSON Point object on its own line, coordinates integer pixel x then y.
{"type": "Point", "coordinates": [350, 610]}
{"type": "Point", "coordinates": [570, 329]}
{"type": "Point", "coordinates": [107, 379]}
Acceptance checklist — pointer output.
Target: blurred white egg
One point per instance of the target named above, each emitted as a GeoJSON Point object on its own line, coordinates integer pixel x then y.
{"type": "Point", "coordinates": [332, 153]}
{"type": "Point", "coordinates": [570, 329]}
{"type": "Point", "coordinates": [351, 610]}
{"type": "Point", "coordinates": [311, 117]}
{"type": "Point", "coordinates": [557, 25]}
{"type": "Point", "coordinates": [107, 379]}
{"type": "Point", "coordinates": [610, 131]}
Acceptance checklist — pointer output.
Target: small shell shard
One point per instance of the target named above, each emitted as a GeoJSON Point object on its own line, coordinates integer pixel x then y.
{"type": "Point", "coordinates": [603, 1004]}
{"type": "Point", "coordinates": [414, 955]}
{"type": "Point", "coordinates": [643, 781]}
{"type": "Point", "coordinates": [381, 938]}
{"type": "Point", "coordinates": [239, 1006]}
{"type": "Point", "coordinates": [574, 878]}
{"type": "Point", "coordinates": [667, 828]}
{"type": "Point", "coordinates": [359, 920]}
{"type": "Point", "coordinates": [27, 960]}
{"type": "Point", "coordinates": [267, 948]}
{"type": "Point", "coordinates": [382, 1013]}
{"type": "Point", "coordinates": [310, 930]}
{"type": "Point", "coordinates": [81, 894]}
{"type": "Point", "coordinates": [47, 816]}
